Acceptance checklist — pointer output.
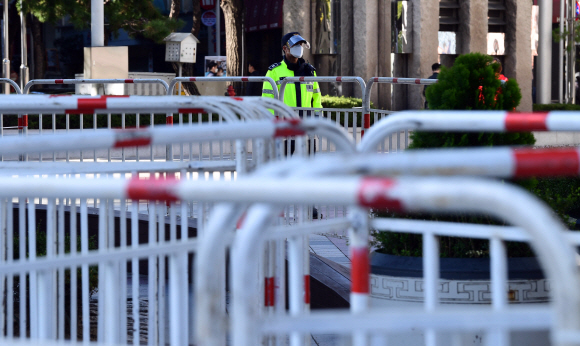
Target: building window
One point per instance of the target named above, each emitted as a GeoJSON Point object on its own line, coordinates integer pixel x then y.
{"type": "Point", "coordinates": [496, 16]}
{"type": "Point", "coordinates": [449, 15]}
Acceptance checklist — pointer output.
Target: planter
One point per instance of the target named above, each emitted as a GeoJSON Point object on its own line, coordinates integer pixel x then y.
{"type": "Point", "coordinates": [397, 282]}
{"type": "Point", "coordinates": [462, 280]}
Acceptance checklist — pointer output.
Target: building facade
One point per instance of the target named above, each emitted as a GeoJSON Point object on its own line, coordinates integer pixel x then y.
{"type": "Point", "coordinates": [385, 38]}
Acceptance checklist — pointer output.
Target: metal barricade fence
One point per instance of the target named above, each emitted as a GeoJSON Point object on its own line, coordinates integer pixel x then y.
{"type": "Point", "coordinates": [468, 121]}
{"type": "Point", "coordinates": [252, 79]}
{"type": "Point", "coordinates": [33, 82]}
{"type": "Point", "coordinates": [264, 190]}
{"type": "Point", "coordinates": [399, 141]}
{"type": "Point", "coordinates": [416, 195]}
{"type": "Point", "coordinates": [496, 162]}
{"type": "Point", "coordinates": [121, 108]}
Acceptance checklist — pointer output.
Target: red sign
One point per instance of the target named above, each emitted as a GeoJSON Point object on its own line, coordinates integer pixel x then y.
{"type": "Point", "coordinates": [207, 4]}
{"type": "Point", "coordinates": [208, 18]}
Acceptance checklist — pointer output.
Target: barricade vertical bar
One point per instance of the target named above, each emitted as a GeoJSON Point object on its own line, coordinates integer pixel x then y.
{"type": "Point", "coordinates": [135, 270]}
{"type": "Point", "coordinates": [73, 272]}
{"type": "Point", "coordinates": [123, 127]}
{"type": "Point", "coordinates": [10, 254]}
{"type": "Point", "coordinates": [161, 282]}
{"type": "Point", "coordinates": [181, 145]}
{"type": "Point", "coordinates": [35, 317]}
{"type": "Point", "coordinates": [51, 237]}
{"type": "Point", "coordinates": [60, 232]}
{"type": "Point", "coordinates": [137, 125]}
{"type": "Point", "coordinates": [81, 126]}
{"type": "Point", "coordinates": [54, 131]}
{"type": "Point", "coordinates": [22, 249]}
{"type": "Point", "coordinates": [102, 286]}
{"type": "Point", "coordinates": [123, 274]}
{"type": "Point", "coordinates": [67, 116]}
{"type": "Point", "coordinates": [199, 121]}
{"type": "Point", "coordinates": [3, 246]}
{"type": "Point", "coordinates": [85, 271]}
{"type": "Point", "coordinates": [431, 277]}
{"type": "Point", "coordinates": [40, 133]}
{"type": "Point", "coordinates": [152, 124]}
{"type": "Point", "coordinates": [152, 278]}
{"type": "Point", "coordinates": [190, 118]}
{"type": "Point", "coordinates": [109, 127]}
{"type": "Point", "coordinates": [499, 273]}
{"type": "Point", "coordinates": [95, 151]}
{"type": "Point", "coordinates": [296, 283]}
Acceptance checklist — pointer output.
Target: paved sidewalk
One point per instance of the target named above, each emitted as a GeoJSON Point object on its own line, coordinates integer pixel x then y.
{"type": "Point", "coordinates": [334, 248]}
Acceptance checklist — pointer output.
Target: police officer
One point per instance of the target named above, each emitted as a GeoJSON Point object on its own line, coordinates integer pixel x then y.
{"type": "Point", "coordinates": [299, 94]}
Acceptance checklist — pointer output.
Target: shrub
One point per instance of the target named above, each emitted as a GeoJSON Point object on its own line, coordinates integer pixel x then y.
{"type": "Point", "coordinates": [471, 84]}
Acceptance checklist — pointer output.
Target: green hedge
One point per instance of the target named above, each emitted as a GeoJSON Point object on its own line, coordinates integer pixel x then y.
{"type": "Point", "coordinates": [341, 102]}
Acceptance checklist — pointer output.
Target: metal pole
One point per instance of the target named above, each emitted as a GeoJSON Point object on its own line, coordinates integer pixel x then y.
{"type": "Point", "coordinates": [23, 49]}
{"type": "Point", "coordinates": [97, 23]}
{"type": "Point", "coordinates": [561, 56]}
{"type": "Point", "coordinates": [544, 52]}
{"type": "Point", "coordinates": [180, 74]}
{"type": "Point", "coordinates": [218, 33]}
{"type": "Point", "coordinates": [6, 60]}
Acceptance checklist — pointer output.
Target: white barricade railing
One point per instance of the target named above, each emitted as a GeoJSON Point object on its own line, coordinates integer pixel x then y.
{"type": "Point", "coordinates": [468, 121]}
{"type": "Point", "coordinates": [252, 79]}
{"type": "Point", "coordinates": [228, 109]}
{"type": "Point", "coordinates": [380, 114]}
{"type": "Point", "coordinates": [410, 194]}
{"type": "Point", "coordinates": [501, 162]}
{"type": "Point", "coordinates": [33, 82]}
{"type": "Point", "coordinates": [275, 191]}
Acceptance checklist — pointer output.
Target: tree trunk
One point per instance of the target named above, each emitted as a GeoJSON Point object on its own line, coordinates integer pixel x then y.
{"type": "Point", "coordinates": [196, 18]}
{"type": "Point", "coordinates": [39, 56]}
{"type": "Point", "coordinates": [175, 9]}
{"type": "Point", "coordinates": [233, 16]}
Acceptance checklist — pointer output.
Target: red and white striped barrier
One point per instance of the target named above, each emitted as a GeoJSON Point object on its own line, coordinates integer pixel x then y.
{"type": "Point", "coordinates": [105, 138]}
{"type": "Point", "coordinates": [33, 82]}
{"type": "Point", "coordinates": [470, 121]}
{"type": "Point", "coordinates": [255, 79]}
{"type": "Point", "coordinates": [408, 195]}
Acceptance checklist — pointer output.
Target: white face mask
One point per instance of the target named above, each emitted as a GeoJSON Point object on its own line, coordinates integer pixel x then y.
{"type": "Point", "coordinates": [297, 51]}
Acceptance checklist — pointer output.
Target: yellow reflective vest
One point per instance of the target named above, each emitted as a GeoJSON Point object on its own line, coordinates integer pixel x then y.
{"type": "Point", "coordinates": [307, 95]}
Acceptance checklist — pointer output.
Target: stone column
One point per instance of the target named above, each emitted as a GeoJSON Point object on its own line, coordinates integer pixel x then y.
{"type": "Point", "coordinates": [384, 58]}
{"type": "Point", "coordinates": [473, 27]}
{"type": "Point", "coordinates": [425, 43]}
{"type": "Point", "coordinates": [518, 60]}
{"type": "Point", "coordinates": [297, 18]}
{"type": "Point", "coordinates": [346, 44]}
{"type": "Point", "coordinates": [365, 37]}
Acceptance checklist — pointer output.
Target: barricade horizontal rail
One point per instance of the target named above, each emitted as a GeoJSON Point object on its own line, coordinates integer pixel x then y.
{"type": "Point", "coordinates": [331, 79]}
{"type": "Point", "coordinates": [174, 81]}
{"type": "Point", "coordinates": [223, 108]}
{"type": "Point", "coordinates": [501, 162]}
{"type": "Point", "coordinates": [51, 168]}
{"type": "Point", "coordinates": [469, 121]}
{"type": "Point", "coordinates": [33, 82]}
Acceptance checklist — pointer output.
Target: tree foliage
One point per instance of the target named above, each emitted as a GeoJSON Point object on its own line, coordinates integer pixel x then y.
{"type": "Point", "coordinates": [139, 18]}
{"type": "Point", "coordinates": [472, 84]}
